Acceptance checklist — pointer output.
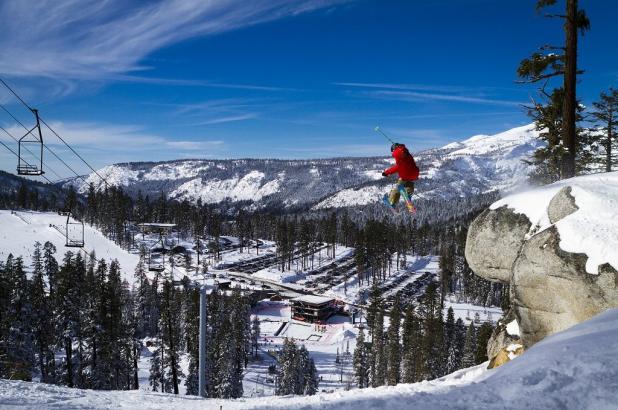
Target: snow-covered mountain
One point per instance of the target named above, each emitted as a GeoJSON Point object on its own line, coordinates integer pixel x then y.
{"type": "Point", "coordinates": [477, 165]}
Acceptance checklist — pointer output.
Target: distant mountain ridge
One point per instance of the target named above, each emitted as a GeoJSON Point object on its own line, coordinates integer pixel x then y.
{"type": "Point", "coordinates": [478, 165]}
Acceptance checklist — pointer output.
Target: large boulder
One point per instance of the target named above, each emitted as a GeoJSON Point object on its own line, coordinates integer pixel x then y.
{"type": "Point", "coordinates": [550, 289]}
{"type": "Point", "coordinates": [495, 238]}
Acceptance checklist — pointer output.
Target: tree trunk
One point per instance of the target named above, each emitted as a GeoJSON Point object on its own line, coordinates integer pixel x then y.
{"type": "Point", "coordinates": [569, 138]}
{"type": "Point", "coordinates": [135, 369]}
{"type": "Point", "coordinates": [172, 354]}
{"type": "Point", "coordinates": [610, 141]}
{"type": "Point", "coordinates": [69, 353]}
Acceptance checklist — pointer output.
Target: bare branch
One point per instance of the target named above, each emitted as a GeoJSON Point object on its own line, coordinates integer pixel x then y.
{"type": "Point", "coordinates": [538, 78]}
{"type": "Point", "coordinates": [551, 47]}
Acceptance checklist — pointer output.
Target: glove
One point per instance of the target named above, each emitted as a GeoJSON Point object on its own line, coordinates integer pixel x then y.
{"type": "Point", "coordinates": [384, 174]}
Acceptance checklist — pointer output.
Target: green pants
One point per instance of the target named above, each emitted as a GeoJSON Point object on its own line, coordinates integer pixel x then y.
{"type": "Point", "coordinates": [394, 195]}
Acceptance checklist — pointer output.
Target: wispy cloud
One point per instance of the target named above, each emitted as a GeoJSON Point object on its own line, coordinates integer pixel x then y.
{"type": "Point", "coordinates": [217, 111]}
{"type": "Point", "coordinates": [416, 96]}
{"type": "Point", "coordinates": [421, 92]}
{"type": "Point", "coordinates": [416, 87]}
{"type": "Point", "coordinates": [93, 39]}
{"type": "Point", "coordinates": [232, 118]}
{"type": "Point", "coordinates": [195, 83]}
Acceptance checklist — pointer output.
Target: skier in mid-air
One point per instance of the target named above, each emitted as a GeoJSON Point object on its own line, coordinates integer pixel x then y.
{"type": "Point", "coordinates": [408, 172]}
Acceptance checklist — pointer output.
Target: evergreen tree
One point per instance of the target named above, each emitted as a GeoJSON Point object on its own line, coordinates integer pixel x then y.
{"type": "Point", "coordinates": [605, 117]}
{"type": "Point", "coordinates": [378, 351]}
{"type": "Point", "coordinates": [393, 373]}
{"type": "Point", "coordinates": [412, 364]}
{"type": "Point", "coordinates": [17, 336]}
{"type": "Point", "coordinates": [456, 348]}
{"type": "Point", "coordinates": [170, 339]}
{"type": "Point", "coordinates": [540, 67]}
{"type": "Point", "coordinates": [42, 317]}
{"type": "Point", "coordinates": [361, 361]}
{"type": "Point", "coordinates": [192, 331]}
{"type": "Point", "coordinates": [469, 352]}
{"type": "Point", "coordinates": [255, 335]}
{"type": "Point", "coordinates": [484, 334]}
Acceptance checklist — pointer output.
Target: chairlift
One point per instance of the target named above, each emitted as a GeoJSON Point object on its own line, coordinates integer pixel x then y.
{"type": "Point", "coordinates": [30, 138]}
{"type": "Point", "coordinates": [156, 256]}
{"type": "Point", "coordinates": [74, 233]}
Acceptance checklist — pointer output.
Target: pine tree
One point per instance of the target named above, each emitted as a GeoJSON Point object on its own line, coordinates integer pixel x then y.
{"type": "Point", "coordinates": [456, 348]}
{"type": "Point", "coordinates": [170, 338]}
{"type": "Point", "coordinates": [255, 335]}
{"type": "Point", "coordinates": [378, 351]}
{"type": "Point", "coordinates": [42, 317]}
{"type": "Point", "coordinates": [393, 373]}
{"type": "Point", "coordinates": [19, 339]}
{"type": "Point", "coordinates": [469, 353]}
{"type": "Point", "coordinates": [605, 117]}
{"type": "Point", "coordinates": [412, 364]}
{"type": "Point", "coordinates": [484, 334]}
{"type": "Point", "coordinates": [360, 363]}
{"type": "Point", "coordinates": [541, 67]}
{"type": "Point", "coordinates": [192, 331]}
{"type": "Point", "coordinates": [156, 369]}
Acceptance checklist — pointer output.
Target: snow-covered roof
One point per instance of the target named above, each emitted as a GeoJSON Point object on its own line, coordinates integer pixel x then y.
{"type": "Point", "coordinates": [156, 225]}
{"type": "Point", "coordinates": [312, 299]}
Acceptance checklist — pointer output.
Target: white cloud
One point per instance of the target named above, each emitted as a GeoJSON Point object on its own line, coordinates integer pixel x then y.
{"type": "Point", "coordinates": [95, 39]}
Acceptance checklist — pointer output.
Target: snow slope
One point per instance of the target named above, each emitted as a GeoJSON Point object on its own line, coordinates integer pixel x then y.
{"type": "Point", "coordinates": [593, 229]}
{"type": "Point", "coordinates": [573, 369]}
{"type": "Point", "coordinates": [19, 231]}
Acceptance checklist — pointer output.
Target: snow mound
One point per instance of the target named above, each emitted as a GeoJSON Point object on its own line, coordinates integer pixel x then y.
{"type": "Point", "coordinates": [593, 229]}
{"type": "Point", "coordinates": [573, 369]}
{"type": "Point", "coordinates": [19, 230]}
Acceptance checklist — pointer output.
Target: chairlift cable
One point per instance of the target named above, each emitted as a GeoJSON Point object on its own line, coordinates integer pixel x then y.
{"type": "Point", "coordinates": [44, 145]}
{"type": "Point", "coordinates": [75, 152]}
{"type": "Point", "coordinates": [56, 134]}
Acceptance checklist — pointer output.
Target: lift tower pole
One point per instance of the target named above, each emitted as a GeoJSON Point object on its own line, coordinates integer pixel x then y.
{"type": "Point", "coordinates": [202, 347]}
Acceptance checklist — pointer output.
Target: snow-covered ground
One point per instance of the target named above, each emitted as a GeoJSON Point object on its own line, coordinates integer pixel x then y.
{"type": "Point", "coordinates": [573, 369]}
{"type": "Point", "coordinates": [19, 231]}
{"type": "Point", "coordinates": [593, 229]}
{"type": "Point", "coordinates": [322, 341]}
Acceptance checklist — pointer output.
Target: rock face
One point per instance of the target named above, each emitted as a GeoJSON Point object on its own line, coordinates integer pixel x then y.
{"type": "Point", "coordinates": [497, 237]}
{"type": "Point", "coordinates": [550, 289]}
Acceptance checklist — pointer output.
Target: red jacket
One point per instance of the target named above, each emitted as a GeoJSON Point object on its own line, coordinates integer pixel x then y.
{"type": "Point", "coordinates": [404, 164]}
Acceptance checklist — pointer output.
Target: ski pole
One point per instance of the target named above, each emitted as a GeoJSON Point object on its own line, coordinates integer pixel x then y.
{"type": "Point", "coordinates": [378, 130]}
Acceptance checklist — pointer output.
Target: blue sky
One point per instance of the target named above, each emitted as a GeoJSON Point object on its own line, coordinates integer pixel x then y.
{"type": "Point", "coordinates": [147, 81]}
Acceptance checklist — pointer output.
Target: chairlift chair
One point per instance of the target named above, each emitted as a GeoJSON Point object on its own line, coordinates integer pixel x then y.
{"type": "Point", "coordinates": [30, 138]}
{"type": "Point", "coordinates": [156, 256]}
{"type": "Point", "coordinates": [74, 233]}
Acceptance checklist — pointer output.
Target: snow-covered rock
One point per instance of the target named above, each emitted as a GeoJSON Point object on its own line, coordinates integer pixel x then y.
{"type": "Point", "coordinates": [574, 369]}
{"type": "Point", "coordinates": [557, 246]}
